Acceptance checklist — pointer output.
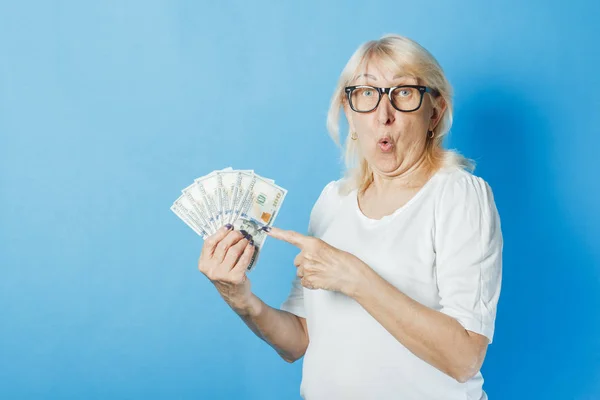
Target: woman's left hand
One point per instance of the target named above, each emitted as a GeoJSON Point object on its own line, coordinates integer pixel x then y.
{"type": "Point", "coordinates": [320, 265]}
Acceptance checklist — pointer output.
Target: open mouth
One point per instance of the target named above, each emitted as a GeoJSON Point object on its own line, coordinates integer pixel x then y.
{"type": "Point", "coordinates": [385, 144]}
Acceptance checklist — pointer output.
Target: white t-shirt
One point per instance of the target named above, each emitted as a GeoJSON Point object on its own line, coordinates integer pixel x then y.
{"type": "Point", "coordinates": [443, 249]}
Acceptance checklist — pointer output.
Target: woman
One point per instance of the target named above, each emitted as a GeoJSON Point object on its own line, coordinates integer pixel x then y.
{"type": "Point", "coordinates": [399, 277]}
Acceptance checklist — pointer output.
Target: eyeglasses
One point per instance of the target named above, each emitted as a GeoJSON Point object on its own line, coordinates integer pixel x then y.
{"type": "Point", "coordinates": [406, 98]}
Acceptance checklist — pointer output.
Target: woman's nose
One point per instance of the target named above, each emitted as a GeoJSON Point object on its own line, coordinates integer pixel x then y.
{"type": "Point", "coordinates": [385, 111]}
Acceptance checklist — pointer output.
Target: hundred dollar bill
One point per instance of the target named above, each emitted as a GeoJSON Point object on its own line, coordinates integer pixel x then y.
{"type": "Point", "coordinates": [185, 207]}
{"type": "Point", "coordinates": [182, 213]}
{"type": "Point", "coordinates": [259, 207]}
{"type": "Point", "coordinates": [245, 190]}
{"type": "Point", "coordinates": [207, 188]}
{"type": "Point", "coordinates": [197, 204]}
{"type": "Point", "coordinates": [231, 181]}
{"type": "Point", "coordinates": [213, 190]}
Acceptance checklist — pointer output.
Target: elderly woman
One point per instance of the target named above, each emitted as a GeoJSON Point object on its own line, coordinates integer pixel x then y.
{"type": "Point", "coordinates": [399, 277]}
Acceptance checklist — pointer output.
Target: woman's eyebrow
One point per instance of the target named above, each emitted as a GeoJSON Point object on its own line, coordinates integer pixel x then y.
{"type": "Point", "coordinates": [365, 75]}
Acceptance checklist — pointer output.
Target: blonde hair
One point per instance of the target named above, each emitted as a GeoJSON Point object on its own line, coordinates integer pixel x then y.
{"type": "Point", "coordinates": [407, 56]}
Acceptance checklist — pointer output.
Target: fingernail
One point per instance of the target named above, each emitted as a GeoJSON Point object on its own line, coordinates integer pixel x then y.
{"type": "Point", "coordinates": [229, 226]}
{"type": "Point", "coordinates": [266, 228]}
{"type": "Point", "coordinates": [251, 241]}
{"type": "Point", "coordinates": [243, 232]}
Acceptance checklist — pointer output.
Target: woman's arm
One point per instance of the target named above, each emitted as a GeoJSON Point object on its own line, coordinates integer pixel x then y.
{"type": "Point", "coordinates": [224, 260]}
{"type": "Point", "coordinates": [283, 331]}
{"type": "Point", "coordinates": [433, 336]}
{"type": "Point", "coordinates": [436, 338]}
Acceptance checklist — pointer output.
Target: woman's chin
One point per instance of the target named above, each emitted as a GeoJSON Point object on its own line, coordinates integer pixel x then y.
{"type": "Point", "coordinates": [386, 164]}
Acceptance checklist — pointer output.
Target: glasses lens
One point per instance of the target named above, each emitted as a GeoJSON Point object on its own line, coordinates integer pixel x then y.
{"type": "Point", "coordinates": [364, 98]}
{"type": "Point", "coordinates": [406, 98]}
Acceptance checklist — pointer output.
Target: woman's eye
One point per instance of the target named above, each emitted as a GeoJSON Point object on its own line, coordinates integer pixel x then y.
{"type": "Point", "coordinates": [405, 93]}
{"type": "Point", "coordinates": [367, 93]}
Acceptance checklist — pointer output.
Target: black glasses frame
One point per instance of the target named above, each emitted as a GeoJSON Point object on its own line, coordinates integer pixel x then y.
{"type": "Point", "coordinates": [381, 91]}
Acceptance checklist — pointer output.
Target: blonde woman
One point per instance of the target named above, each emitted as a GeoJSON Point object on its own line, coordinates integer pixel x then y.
{"type": "Point", "coordinates": [399, 276]}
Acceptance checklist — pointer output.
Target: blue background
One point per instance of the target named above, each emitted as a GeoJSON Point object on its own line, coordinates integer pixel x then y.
{"type": "Point", "coordinates": [108, 109]}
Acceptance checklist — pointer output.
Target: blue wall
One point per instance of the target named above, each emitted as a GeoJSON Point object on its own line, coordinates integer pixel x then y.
{"type": "Point", "coordinates": [108, 109]}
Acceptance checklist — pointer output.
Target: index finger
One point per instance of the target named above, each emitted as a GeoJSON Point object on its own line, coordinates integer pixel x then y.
{"type": "Point", "coordinates": [292, 237]}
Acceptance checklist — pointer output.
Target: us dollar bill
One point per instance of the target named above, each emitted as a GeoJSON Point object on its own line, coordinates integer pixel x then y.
{"type": "Point", "coordinates": [259, 207]}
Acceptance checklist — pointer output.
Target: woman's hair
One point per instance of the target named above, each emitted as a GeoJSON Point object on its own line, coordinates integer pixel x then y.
{"type": "Point", "coordinates": [406, 56]}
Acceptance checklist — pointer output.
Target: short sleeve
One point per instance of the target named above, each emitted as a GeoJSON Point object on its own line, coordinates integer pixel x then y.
{"type": "Point", "coordinates": [468, 243]}
{"type": "Point", "coordinates": [294, 303]}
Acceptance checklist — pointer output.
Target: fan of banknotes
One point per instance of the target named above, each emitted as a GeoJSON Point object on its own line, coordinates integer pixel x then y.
{"type": "Point", "coordinates": [241, 198]}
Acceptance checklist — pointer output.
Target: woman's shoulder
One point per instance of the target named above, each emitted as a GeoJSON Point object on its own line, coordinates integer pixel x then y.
{"type": "Point", "coordinates": [457, 179]}
{"type": "Point", "coordinates": [333, 192]}
{"type": "Point", "coordinates": [326, 207]}
{"type": "Point", "coordinates": [461, 189]}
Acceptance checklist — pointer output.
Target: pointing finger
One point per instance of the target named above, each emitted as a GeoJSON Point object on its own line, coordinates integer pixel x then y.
{"type": "Point", "coordinates": [292, 237]}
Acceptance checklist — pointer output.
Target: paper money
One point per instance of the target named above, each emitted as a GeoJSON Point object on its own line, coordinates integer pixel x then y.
{"type": "Point", "coordinates": [185, 217]}
{"type": "Point", "coordinates": [186, 206]}
{"type": "Point", "coordinates": [238, 197]}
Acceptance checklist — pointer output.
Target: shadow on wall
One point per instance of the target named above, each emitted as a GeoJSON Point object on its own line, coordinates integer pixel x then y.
{"type": "Point", "coordinates": [546, 342]}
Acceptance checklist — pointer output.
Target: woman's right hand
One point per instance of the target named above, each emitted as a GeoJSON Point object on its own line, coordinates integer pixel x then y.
{"type": "Point", "coordinates": [224, 259]}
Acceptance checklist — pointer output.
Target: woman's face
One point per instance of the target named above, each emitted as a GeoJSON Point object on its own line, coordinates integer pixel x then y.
{"type": "Point", "coordinates": [392, 141]}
